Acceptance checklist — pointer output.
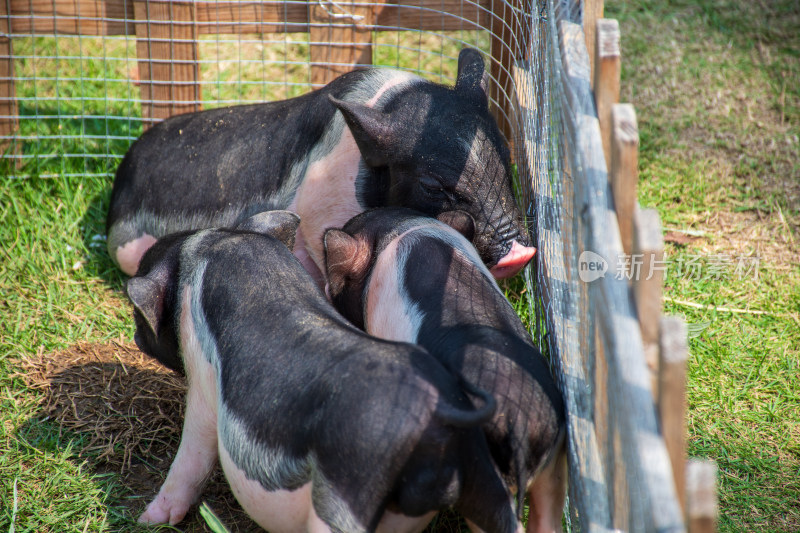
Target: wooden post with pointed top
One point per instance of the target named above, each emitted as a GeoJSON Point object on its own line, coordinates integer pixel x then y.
{"type": "Point", "coordinates": [504, 23]}
{"type": "Point", "coordinates": [647, 264]}
{"type": "Point", "coordinates": [606, 78]}
{"type": "Point", "coordinates": [701, 496]}
{"type": "Point", "coordinates": [673, 356]}
{"type": "Point", "coordinates": [623, 168]}
{"type": "Point", "coordinates": [592, 11]}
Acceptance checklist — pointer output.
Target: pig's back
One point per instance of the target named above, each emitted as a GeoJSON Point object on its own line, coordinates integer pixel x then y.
{"type": "Point", "coordinates": [213, 160]}
{"type": "Point", "coordinates": [200, 164]}
{"type": "Point", "coordinates": [275, 330]}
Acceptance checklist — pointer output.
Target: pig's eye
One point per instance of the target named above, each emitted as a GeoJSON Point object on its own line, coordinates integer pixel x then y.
{"type": "Point", "coordinates": [431, 186]}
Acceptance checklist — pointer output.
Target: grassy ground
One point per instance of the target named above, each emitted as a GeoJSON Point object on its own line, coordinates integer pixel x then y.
{"type": "Point", "coordinates": [88, 426]}
{"type": "Point", "coordinates": [715, 85]}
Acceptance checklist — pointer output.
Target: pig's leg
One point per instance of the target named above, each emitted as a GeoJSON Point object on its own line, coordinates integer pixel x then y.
{"type": "Point", "coordinates": [197, 452]}
{"type": "Point", "coordinates": [129, 255]}
{"type": "Point", "coordinates": [546, 496]}
{"type": "Point", "coordinates": [192, 465]}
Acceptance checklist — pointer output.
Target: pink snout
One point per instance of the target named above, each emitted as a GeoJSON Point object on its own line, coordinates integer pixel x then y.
{"type": "Point", "coordinates": [514, 261]}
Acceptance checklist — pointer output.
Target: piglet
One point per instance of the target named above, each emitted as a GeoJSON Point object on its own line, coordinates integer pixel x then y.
{"type": "Point", "coordinates": [372, 137]}
{"type": "Point", "coordinates": [406, 277]}
{"type": "Point", "coordinates": [318, 426]}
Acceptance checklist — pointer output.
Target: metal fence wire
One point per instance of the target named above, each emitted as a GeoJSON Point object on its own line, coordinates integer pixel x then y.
{"type": "Point", "coordinates": [81, 79]}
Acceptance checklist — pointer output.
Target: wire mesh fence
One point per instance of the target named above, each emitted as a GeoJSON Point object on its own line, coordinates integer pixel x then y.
{"type": "Point", "coordinates": [81, 79]}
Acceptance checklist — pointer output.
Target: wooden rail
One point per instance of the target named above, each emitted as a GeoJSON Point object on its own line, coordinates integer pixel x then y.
{"type": "Point", "coordinates": [664, 339]}
{"type": "Point", "coordinates": [621, 365]}
{"type": "Point", "coordinates": [167, 34]}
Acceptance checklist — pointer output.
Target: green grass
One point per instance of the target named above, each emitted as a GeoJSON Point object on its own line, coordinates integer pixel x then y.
{"type": "Point", "coordinates": [714, 85]}
{"type": "Point", "coordinates": [58, 286]}
{"type": "Point", "coordinates": [718, 121]}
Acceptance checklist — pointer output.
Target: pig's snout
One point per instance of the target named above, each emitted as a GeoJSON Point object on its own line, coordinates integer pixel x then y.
{"type": "Point", "coordinates": [514, 261]}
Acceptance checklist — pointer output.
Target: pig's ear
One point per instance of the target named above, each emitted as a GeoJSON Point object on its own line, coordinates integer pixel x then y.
{"type": "Point", "coordinates": [461, 221]}
{"type": "Point", "coordinates": [472, 79]}
{"type": "Point", "coordinates": [346, 258]}
{"type": "Point", "coordinates": [279, 224]}
{"type": "Point", "coordinates": [371, 128]}
{"type": "Point", "coordinates": [147, 296]}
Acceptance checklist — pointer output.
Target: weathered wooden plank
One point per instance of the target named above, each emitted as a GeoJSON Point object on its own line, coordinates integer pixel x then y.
{"type": "Point", "coordinates": [624, 168]}
{"type": "Point", "coordinates": [674, 353]}
{"type": "Point", "coordinates": [433, 15]}
{"type": "Point", "coordinates": [587, 477]}
{"type": "Point", "coordinates": [592, 11]}
{"type": "Point", "coordinates": [341, 38]}
{"type": "Point", "coordinates": [576, 71]}
{"type": "Point", "coordinates": [607, 68]}
{"type": "Point", "coordinates": [504, 23]}
{"type": "Point", "coordinates": [648, 469]}
{"type": "Point", "coordinates": [647, 265]}
{"type": "Point", "coordinates": [166, 45]}
{"type": "Point", "coordinates": [116, 17]}
{"type": "Point", "coordinates": [72, 17]}
{"type": "Point", "coordinates": [701, 496]}
{"type": "Point", "coordinates": [259, 17]}
{"type": "Point", "coordinates": [251, 17]}
{"type": "Point", "coordinates": [8, 103]}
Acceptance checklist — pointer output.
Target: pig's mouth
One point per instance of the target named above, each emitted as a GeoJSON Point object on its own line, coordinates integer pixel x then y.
{"type": "Point", "coordinates": [515, 260]}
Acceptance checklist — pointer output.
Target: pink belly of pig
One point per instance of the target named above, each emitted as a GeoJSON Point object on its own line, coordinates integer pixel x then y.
{"type": "Point", "coordinates": [283, 511]}
{"type": "Point", "coordinates": [326, 198]}
{"type": "Point", "coordinates": [277, 511]}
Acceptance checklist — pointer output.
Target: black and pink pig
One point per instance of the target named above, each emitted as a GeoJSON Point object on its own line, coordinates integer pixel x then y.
{"type": "Point", "coordinates": [318, 426]}
{"type": "Point", "coordinates": [406, 277]}
{"type": "Point", "coordinates": [372, 137]}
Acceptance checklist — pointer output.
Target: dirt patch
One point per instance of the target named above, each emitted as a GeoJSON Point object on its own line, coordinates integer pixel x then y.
{"type": "Point", "coordinates": [770, 237]}
{"type": "Point", "coordinates": [129, 408]}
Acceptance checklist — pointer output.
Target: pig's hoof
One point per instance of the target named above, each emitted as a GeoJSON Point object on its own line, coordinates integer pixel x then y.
{"type": "Point", "coordinates": [164, 510]}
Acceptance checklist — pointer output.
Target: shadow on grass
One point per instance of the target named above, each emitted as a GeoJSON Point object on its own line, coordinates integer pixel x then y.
{"type": "Point", "coordinates": [123, 413]}
{"type": "Point", "coordinates": [64, 153]}
{"type": "Point", "coordinates": [93, 232]}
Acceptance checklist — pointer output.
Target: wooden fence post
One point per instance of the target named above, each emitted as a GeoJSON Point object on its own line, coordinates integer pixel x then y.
{"type": "Point", "coordinates": [592, 10]}
{"type": "Point", "coordinates": [166, 44]}
{"type": "Point", "coordinates": [623, 168]}
{"type": "Point", "coordinates": [701, 496]}
{"type": "Point", "coordinates": [674, 353]}
{"type": "Point", "coordinates": [606, 77]}
{"type": "Point", "coordinates": [8, 103]}
{"type": "Point", "coordinates": [647, 269]}
{"type": "Point", "coordinates": [341, 37]}
{"type": "Point", "coordinates": [504, 24]}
